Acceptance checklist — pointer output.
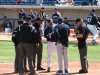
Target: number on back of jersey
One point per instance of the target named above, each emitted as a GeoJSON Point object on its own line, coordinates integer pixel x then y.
{"type": "Point", "coordinates": [89, 19]}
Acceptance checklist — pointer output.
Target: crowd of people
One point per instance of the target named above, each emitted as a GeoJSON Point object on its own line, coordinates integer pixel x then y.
{"type": "Point", "coordinates": [62, 2]}
{"type": "Point", "coordinates": [27, 38]}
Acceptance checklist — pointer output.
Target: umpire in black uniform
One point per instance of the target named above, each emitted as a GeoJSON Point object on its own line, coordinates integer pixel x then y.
{"type": "Point", "coordinates": [81, 35]}
{"type": "Point", "coordinates": [27, 32]}
{"type": "Point", "coordinates": [38, 48]}
{"type": "Point", "coordinates": [15, 39]}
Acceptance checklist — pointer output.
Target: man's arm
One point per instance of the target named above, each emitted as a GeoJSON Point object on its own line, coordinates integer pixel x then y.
{"type": "Point", "coordinates": [79, 36]}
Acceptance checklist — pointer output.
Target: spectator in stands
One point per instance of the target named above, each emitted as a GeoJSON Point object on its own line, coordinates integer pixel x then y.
{"type": "Point", "coordinates": [70, 2]}
{"type": "Point", "coordinates": [56, 15]}
{"type": "Point", "coordinates": [91, 2]}
{"type": "Point", "coordinates": [61, 2]}
{"type": "Point", "coordinates": [39, 2]}
{"type": "Point", "coordinates": [18, 1]}
{"type": "Point", "coordinates": [22, 14]}
{"type": "Point", "coordinates": [7, 25]}
{"type": "Point", "coordinates": [98, 2]}
{"type": "Point", "coordinates": [57, 1]}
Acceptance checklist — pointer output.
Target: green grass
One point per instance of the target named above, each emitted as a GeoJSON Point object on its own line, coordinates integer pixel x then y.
{"type": "Point", "coordinates": [7, 52]}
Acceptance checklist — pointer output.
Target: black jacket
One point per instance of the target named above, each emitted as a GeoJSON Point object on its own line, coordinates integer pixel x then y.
{"type": "Point", "coordinates": [15, 36]}
{"type": "Point", "coordinates": [49, 30]}
{"type": "Point", "coordinates": [27, 34]}
{"type": "Point", "coordinates": [38, 34]}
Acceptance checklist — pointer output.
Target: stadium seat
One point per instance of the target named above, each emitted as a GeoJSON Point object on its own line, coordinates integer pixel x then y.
{"type": "Point", "coordinates": [2, 3]}
{"type": "Point", "coordinates": [45, 3]}
{"type": "Point", "coordinates": [52, 3]}
{"type": "Point", "coordinates": [77, 3]}
{"type": "Point", "coordinates": [22, 3]}
{"type": "Point", "coordinates": [33, 3]}
{"type": "Point", "coordinates": [95, 3]}
{"type": "Point", "coordinates": [85, 3]}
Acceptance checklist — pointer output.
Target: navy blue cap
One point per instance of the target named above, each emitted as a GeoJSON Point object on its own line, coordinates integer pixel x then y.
{"type": "Point", "coordinates": [93, 10]}
{"type": "Point", "coordinates": [38, 19]}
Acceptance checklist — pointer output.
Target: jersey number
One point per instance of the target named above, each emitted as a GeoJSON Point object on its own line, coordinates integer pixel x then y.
{"type": "Point", "coordinates": [89, 19]}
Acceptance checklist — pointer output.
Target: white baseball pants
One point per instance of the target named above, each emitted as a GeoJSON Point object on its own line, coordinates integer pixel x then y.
{"type": "Point", "coordinates": [94, 30]}
{"type": "Point", "coordinates": [51, 47]}
{"type": "Point", "coordinates": [62, 53]}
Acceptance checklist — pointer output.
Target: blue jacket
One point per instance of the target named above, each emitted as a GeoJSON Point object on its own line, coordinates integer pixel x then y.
{"type": "Point", "coordinates": [62, 32]}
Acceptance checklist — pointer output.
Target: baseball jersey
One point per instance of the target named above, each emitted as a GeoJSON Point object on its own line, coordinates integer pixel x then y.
{"type": "Point", "coordinates": [92, 19]}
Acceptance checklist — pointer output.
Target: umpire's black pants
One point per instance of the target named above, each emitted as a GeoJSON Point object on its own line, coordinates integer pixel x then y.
{"type": "Point", "coordinates": [38, 52]}
{"type": "Point", "coordinates": [83, 58]}
{"type": "Point", "coordinates": [16, 63]}
{"type": "Point", "coordinates": [26, 49]}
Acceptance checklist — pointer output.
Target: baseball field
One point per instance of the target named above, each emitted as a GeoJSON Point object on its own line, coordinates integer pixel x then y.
{"type": "Point", "coordinates": [7, 56]}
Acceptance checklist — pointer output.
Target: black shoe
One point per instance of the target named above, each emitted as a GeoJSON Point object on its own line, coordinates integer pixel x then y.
{"type": "Point", "coordinates": [83, 71]}
{"type": "Point", "coordinates": [26, 70]}
{"type": "Point", "coordinates": [40, 68]}
{"type": "Point", "coordinates": [48, 70]}
{"type": "Point", "coordinates": [66, 71]}
{"type": "Point", "coordinates": [94, 42]}
{"type": "Point", "coordinates": [59, 72]}
{"type": "Point", "coordinates": [34, 73]}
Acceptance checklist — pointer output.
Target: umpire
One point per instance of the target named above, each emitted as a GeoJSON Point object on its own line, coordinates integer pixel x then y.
{"type": "Point", "coordinates": [15, 39]}
{"type": "Point", "coordinates": [27, 31]}
{"type": "Point", "coordinates": [38, 48]}
{"type": "Point", "coordinates": [81, 35]}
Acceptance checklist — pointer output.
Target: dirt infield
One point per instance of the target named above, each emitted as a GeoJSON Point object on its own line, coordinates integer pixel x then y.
{"type": "Point", "coordinates": [94, 69]}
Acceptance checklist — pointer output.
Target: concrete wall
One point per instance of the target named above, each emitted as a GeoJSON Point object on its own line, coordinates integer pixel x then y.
{"type": "Point", "coordinates": [70, 12]}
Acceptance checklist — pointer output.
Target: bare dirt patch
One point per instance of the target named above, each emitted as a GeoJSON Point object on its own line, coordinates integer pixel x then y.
{"type": "Point", "coordinates": [94, 69]}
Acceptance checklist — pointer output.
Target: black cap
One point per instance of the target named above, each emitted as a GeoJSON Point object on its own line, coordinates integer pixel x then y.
{"type": "Point", "coordinates": [5, 16]}
{"type": "Point", "coordinates": [60, 20]}
{"type": "Point", "coordinates": [38, 19]}
{"type": "Point", "coordinates": [93, 10]}
{"type": "Point", "coordinates": [55, 9]}
{"type": "Point", "coordinates": [42, 8]}
{"type": "Point", "coordinates": [21, 9]}
{"type": "Point", "coordinates": [20, 22]}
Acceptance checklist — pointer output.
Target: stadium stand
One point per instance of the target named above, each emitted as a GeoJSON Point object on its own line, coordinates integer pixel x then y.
{"type": "Point", "coordinates": [81, 2]}
{"type": "Point", "coordinates": [49, 2]}
{"type": "Point", "coordinates": [45, 2]}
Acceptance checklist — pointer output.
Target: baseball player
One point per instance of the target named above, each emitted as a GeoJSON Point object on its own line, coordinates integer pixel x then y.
{"type": "Point", "coordinates": [32, 15]}
{"type": "Point", "coordinates": [91, 24]}
{"type": "Point", "coordinates": [61, 32]}
{"type": "Point", "coordinates": [48, 33]}
{"type": "Point", "coordinates": [56, 15]}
